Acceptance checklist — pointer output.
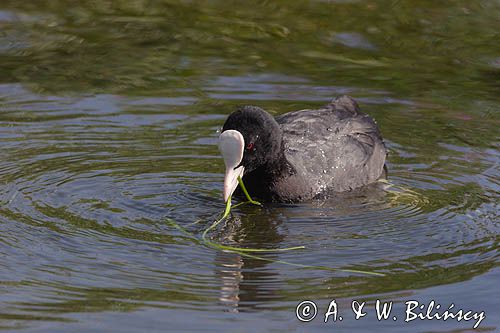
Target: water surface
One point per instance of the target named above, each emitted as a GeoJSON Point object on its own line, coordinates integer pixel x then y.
{"type": "Point", "coordinates": [109, 113]}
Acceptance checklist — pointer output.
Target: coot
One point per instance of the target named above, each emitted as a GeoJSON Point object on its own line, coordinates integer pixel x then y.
{"type": "Point", "coordinates": [301, 155]}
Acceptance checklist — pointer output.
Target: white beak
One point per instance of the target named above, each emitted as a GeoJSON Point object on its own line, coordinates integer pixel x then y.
{"type": "Point", "coordinates": [231, 146]}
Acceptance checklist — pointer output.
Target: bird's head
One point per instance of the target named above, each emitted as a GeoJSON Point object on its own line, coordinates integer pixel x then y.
{"type": "Point", "coordinates": [250, 138]}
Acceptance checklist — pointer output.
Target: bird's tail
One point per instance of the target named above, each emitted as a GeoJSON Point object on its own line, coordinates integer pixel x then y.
{"type": "Point", "coordinates": [345, 103]}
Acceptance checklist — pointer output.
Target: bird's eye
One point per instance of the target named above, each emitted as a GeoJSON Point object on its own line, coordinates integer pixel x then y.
{"type": "Point", "coordinates": [250, 146]}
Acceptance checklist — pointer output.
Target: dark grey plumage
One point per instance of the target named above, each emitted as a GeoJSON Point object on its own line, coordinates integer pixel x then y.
{"type": "Point", "coordinates": [333, 149]}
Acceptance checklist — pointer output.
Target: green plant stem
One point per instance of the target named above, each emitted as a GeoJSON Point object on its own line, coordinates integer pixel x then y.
{"type": "Point", "coordinates": [240, 181]}
{"type": "Point", "coordinates": [323, 268]}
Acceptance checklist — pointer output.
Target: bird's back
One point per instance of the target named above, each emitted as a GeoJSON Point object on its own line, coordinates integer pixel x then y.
{"type": "Point", "coordinates": [333, 149]}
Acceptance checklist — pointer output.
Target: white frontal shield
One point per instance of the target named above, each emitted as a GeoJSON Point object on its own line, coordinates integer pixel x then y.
{"type": "Point", "coordinates": [231, 146]}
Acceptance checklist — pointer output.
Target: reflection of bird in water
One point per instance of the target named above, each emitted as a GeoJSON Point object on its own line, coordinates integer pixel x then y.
{"type": "Point", "coordinates": [240, 275]}
{"type": "Point", "coordinates": [229, 271]}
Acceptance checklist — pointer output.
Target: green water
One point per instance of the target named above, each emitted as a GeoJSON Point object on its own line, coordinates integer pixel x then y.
{"type": "Point", "coordinates": [109, 112]}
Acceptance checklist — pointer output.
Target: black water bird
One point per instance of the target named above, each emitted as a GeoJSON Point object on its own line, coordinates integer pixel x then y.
{"type": "Point", "coordinates": [301, 155]}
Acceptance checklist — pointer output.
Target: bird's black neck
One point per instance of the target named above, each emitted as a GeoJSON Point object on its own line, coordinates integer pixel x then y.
{"type": "Point", "coordinates": [262, 180]}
